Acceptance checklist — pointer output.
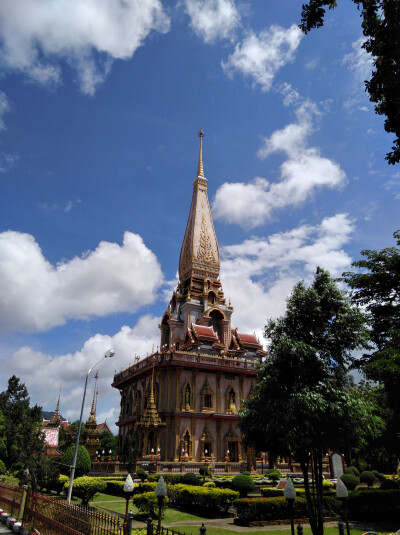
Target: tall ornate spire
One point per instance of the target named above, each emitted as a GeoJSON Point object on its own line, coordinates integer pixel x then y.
{"type": "Point", "coordinates": [56, 418]}
{"type": "Point", "coordinates": [92, 417]}
{"type": "Point", "coordinates": [200, 171]}
{"type": "Point", "coordinates": [200, 251]}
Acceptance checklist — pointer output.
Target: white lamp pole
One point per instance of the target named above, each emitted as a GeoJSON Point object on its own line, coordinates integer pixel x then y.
{"type": "Point", "coordinates": [110, 353]}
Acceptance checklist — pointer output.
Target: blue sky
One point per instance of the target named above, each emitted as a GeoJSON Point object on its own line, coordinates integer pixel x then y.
{"type": "Point", "coordinates": [100, 105]}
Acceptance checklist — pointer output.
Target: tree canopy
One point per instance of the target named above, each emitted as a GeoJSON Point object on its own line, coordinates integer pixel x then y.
{"type": "Point", "coordinates": [377, 288]}
{"type": "Point", "coordinates": [380, 25]}
{"type": "Point", "coordinates": [304, 402]}
{"type": "Point", "coordinates": [21, 424]}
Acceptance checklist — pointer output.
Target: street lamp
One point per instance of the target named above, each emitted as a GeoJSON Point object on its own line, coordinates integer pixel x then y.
{"type": "Point", "coordinates": [160, 491]}
{"type": "Point", "coordinates": [342, 493]}
{"type": "Point", "coordinates": [290, 494]}
{"type": "Point", "coordinates": [110, 353]}
{"type": "Point", "coordinates": [128, 489]}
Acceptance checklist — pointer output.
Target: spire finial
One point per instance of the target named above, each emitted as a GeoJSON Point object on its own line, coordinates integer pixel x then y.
{"type": "Point", "coordinates": [200, 171]}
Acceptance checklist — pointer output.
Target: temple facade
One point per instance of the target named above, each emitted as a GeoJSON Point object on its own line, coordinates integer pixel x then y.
{"type": "Point", "coordinates": [181, 403]}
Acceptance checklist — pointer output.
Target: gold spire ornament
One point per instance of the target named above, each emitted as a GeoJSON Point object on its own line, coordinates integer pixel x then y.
{"type": "Point", "coordinates": [200, 171]}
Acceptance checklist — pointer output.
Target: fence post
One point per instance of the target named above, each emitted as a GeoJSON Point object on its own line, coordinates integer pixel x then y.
{"type": "Point", "coordinates": [149, 526]}
{"type": "Point", "coordinates": [130, 521]}
{"type": "Point", "coordinates": [202, 529]}
{"type": "Point", "coordinates": [23, 496]}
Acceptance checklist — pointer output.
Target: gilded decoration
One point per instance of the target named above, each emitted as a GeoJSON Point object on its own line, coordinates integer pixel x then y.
{"type": "Point", "coordinates": [205, 252]}
{"type": "Point", "coordinates": [230, 401]}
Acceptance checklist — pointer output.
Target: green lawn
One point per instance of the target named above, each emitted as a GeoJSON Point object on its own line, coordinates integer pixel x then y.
{"type": "Point", "coordinates": [194, 530]}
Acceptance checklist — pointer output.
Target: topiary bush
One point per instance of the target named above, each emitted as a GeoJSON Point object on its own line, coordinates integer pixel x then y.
{"type": "Point", "coordinates": [83, 462]}
{"type": "Point", "coordinates": [274, 475]}
{"type": "Point", "coordinates": [190, 479]}
{"type": "Point", "coordinates": [243, 484]}
{"type": "Point", "coordinates": [146, 486]}
{"type": "Point", "coordinates": [209, 485]}
{"type": "Point", "coordinates": [352, 470]}
{"type": "Point", "coordinates": [350, 480]}
{"type": "Point", "coordinates": [262, 509]}
{"type": "Point", "coordinates": [86, 487]}
{"type": "Point", "coordinates": [374, 504]}
{"type": "Point", "coordinates": [63, 482]}
{"type": "Point", "coordinates": [367, 477]}
{"type": "Point", "coordinates": [327, 485]}
{"type": "Point", "coordinates": [147, 503]}
{"type": "Point", "coordinates": [202, 498]}
{"type": "Point", "coordinates": [142, 474]}
{"type": "Point", "coordinates": [2, 467]}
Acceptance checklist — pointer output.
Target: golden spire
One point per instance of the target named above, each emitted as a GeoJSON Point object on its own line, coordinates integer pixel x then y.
{"type": "Point", "coordinates": [200, 171]}
{"type": "Point", "coordinates": [56, 418]}
{"type": "Point", "coordinates": [151, 418]}
{"type": "Point", "coordinates": [92, 417]}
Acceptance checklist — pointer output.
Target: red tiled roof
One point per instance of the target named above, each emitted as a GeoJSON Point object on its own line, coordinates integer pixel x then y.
{"type": "Point", "coordinates": [203, 332]}
{"type": "Point", "coordinates": [250, 339]}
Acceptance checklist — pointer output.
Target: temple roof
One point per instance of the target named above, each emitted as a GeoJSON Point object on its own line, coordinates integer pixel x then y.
{"type": "Point", "coordinates": [204, 333]}
{"type": "Point", "coordinates": [200, 251]}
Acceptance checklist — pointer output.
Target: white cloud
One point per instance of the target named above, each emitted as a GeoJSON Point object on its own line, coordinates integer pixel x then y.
{"type": "Point", "coordinates": [36, 34]}
{"type": "Point", "coordinates": [261, 56]}
{"type": "Point", "coordinates": [4, 108]}
{"type": "Point", "coordinates": [303, 172]}
{"type": "Point", "coordinates": [212, 19]}
{"type": "Point", "coordinates": [36, 296]}
{"type": "Point", "coordinates": [360, 64]}
{"type": "Point", "coordinates": [69, 370]}
{"type": "Point", "coordinates": [259, 273]}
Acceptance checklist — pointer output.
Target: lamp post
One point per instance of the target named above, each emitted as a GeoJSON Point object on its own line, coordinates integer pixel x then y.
{"type": "Point", "coordinates": [342, 493]}
{"type": "Point", "coordinates": [160, 491]}
{"type": "Point", "coordinates": [128, 489]}
{"type": "Point", "coordinates": [110, 353]}
{"type": "Point", "coordinates": [290, 494]}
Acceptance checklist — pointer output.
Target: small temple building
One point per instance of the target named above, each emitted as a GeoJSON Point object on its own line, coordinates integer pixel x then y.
{"type": "Point", "coordinates": [181, 403]}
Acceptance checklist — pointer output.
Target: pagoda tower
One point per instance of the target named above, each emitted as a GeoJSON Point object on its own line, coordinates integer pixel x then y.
{"type": "Point", "coordinates": [196, 383]}
{"type": "Point", "coordinates": [91, 437]}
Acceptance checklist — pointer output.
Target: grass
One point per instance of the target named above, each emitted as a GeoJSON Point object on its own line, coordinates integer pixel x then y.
{"type": "Point", "coordinates": [211, 530]}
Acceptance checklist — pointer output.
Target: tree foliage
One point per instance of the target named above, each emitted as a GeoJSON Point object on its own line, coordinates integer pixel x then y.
{"type": "Point", "coordinates": [86, 487]}
{"type": "Point", "coordinates": [380, 25]}
{"type": "Point", "coordinates": [83, 463]}
{"type": "Point", "coordinates": [23, 441]}
{"type": "Point", "coordinates": [304, 403]}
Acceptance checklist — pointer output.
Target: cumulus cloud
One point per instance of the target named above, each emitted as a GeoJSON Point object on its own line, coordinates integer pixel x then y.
{"type": "Point", "coordinates": [88, 35]}
{"type": "Point", "coordinates": [259, 273]}
{"type": "Point", "coordinates": [212, 19]}
{"type": "Point", "coordinates": [36, 369]}
{"type": "Point", "coordinates": [261, 56]}
{"type": "Point", "coordinates": [4, 108]}
{"type": "Point", "coordinates": [303, 172]}
{"type": "Point", "coordinates": [36, 296]}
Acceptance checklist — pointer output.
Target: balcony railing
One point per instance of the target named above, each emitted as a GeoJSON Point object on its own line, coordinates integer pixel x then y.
{"type": "Point", "coordinates": [185, 357]}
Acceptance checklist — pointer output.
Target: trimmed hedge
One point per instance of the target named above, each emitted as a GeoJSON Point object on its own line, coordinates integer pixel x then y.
{"type": "Point", "coordinates": [374, 504]}
{"type": "Point", "coordinates": [264, 509]}
{"type": "Point", "coordinates": [86, 487]}
{"type": "Point", "coordinates": [389, 484]}
{"type": "Point", "coordinates": [350, 481]}
{"type": "Point", "coordinates": [367, 477]}
{"type": "Point", "coordinates": [202, 498]}
{"type": "Point", "coordinates": [243, 484]}
{"type": "Point", "coordinates": [352, 470]}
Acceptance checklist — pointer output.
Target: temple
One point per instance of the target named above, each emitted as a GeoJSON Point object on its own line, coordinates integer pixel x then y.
{"type": "Point", "coordinates": [181, 403]}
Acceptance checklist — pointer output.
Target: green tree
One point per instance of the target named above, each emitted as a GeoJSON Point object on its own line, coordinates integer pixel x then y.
{"type": "Point", "coordinates": [108, 442]}
{"type": "Point", "coordinates": [380, 25]}
{"type": "Point", "coordinates": [83, 463]}
{"type": "Point", "coordinates": [23, 429]}
{"type": "Point", "coordinates": [304, 403]}
{"type": "Point", "coordinates": [376, 287]}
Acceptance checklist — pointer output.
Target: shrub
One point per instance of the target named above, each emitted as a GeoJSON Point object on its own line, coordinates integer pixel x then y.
{"type": "Point", "coordinates": [389, 484]}
{"type": "Point", "coordinates": [190, 479]}
{"type": "Point", "coordinates": [272, 493]}
{"type": "Point", "coordinates": [63, 482]}
{"type": "Point", "coordinates": [374, 504]}
{"type": "Point", "coordinates": [147, 503]}
{"type": "Point", "coordinates": [2, 467]}
{"type": "Point", "coordinates": [350, 481]}
{"type": "Point", "coordinates": [86, 487]}
{"type": "Point", "coordinates": [274, 475]}
{"type": "Point", "coordinates": [352, 470]}
{"type": "Point", "coordinates": [327, 484]}
{"type": "Point", "coordinates": [83, 463]}
{"type": "Point", "coordinates": [367, 477]}
{"type": "Point", "coordinates": [142, 475]}
{"type": "Point", "coordinates": [115, 487]}
{"type": "Point", "coordinates": [243, 484]}
{"type": "Point", "coordinates": [209, 485]}
{"type": "Point", "coordinates": [146, 486]}
{"type": "Point", "coordinates": [246, 473]}
{"type": "Point", "coordinates": [259, 509]}
{"type": "Point", "coordinates": [202, 498]}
